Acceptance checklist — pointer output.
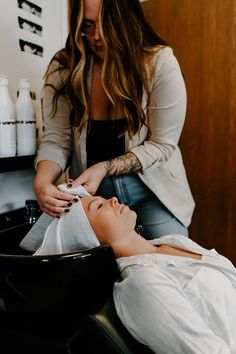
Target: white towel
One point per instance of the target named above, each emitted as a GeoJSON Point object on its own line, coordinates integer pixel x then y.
{"type": "Point", "coordinates": [71, 233]}
{"type": "Point", "coordinates": [79, 190]}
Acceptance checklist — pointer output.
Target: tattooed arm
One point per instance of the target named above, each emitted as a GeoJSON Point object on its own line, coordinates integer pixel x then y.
{"type": "Point", "coordinates": [124, 164]}
{"type": "Point", "coordinates": [93, 176]}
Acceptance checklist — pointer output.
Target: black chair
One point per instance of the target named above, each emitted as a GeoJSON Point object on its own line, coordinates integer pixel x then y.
{"type": "Point", "coordinates": [59, 303]}
{"type": "Point", "coordinates": [107, 333]}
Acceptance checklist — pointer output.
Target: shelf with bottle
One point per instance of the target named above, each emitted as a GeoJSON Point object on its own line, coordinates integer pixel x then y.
{"type": "Point", "coordinates": [17, 127]}
{"type": "Point", "coordinates": [25, 120]}
{"type": "Point", "coordinates": [15, 163]}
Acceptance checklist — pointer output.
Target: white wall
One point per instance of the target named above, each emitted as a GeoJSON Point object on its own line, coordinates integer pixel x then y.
{"type": "Point", "coordinates": [17, 64]}
{"type": "Point", "coordinates": [16, 187]}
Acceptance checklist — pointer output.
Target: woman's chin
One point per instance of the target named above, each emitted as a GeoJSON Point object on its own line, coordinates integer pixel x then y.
{"type": "Point", "coordinates": [99, 52]}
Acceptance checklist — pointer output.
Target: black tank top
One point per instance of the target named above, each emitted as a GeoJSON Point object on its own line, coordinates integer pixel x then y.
{"type": "Point", "coordinates": [103, 142]}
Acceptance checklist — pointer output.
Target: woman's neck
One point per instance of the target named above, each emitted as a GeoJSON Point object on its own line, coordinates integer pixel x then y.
{"type": "Point", "coordinates": [132, 245]}
{"type": "Point", "coordinates": [135, 245]}
{"type": "Point", "coordinates": [98, 61]}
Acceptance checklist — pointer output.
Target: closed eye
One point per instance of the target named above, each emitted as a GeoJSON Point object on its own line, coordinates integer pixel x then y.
{"type": "Point", "coordinates": [96, 202]}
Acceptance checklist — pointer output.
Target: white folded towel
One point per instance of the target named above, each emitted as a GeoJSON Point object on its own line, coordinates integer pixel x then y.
{"type": "Point", "coordinates": [71, 233]}
{"type": "Point", "coordinates": [79, 190]}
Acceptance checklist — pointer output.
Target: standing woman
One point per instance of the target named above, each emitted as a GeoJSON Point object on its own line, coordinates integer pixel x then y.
{"type": "Point", "coordinates": [114, 109]}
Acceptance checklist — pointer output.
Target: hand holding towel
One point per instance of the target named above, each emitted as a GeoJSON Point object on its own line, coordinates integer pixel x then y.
{"type": "Point", "coordinates": [71, 233]}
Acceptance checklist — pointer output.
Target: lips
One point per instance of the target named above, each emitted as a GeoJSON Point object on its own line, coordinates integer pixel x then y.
{"type": "Point", "coordinates": [99, 47]}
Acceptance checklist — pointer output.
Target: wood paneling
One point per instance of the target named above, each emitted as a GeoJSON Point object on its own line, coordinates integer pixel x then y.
{"type": "Point", "coordinates": [203, 36]}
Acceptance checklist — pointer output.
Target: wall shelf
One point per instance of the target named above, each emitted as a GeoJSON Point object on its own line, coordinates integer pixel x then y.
{"type": "Point", "coordinates": [16, 163]}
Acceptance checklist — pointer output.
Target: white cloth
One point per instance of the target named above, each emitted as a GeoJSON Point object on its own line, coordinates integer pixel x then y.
{"type": "Point", "coordinates": [71, 233]}
{"type": "Point", "coordinates": [33, 239]}
{"type": "Point", "coordinates": [77, 191]}
{"type": "Point", "coordinates": [179, 305]}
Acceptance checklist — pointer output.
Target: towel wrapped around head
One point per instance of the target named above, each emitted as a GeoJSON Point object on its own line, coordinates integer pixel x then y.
{"type": "Point", "coordinates": [71, 233]}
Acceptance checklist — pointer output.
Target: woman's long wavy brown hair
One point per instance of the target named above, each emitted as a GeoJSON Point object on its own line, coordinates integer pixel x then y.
{"type": "Point", "coordinates": [129, 42]}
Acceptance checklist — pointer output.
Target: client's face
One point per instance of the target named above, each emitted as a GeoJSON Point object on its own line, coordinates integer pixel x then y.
{"type": "Point", "coordinates": [108, 218]}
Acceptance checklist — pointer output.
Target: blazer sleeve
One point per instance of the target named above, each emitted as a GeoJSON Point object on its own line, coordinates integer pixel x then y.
{"type": "Point", "coordinates": [165, 111]}
{"type": "Point", "coordinates": [56, 142]}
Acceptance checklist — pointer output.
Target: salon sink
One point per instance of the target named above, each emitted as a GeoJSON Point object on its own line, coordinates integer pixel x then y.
{"type": "Point", "coordinates": [12, 218]}
{"type": "Point", "coordinates": [64, 282]}
{"type": "Point", "coordinates": [44, 297]}
{"type": "Point", "coordinates": [59, 304]}
{"type": "Point", "coordinates": [11, 237]}
{"type": "Point", "coordinates": [26, 215]}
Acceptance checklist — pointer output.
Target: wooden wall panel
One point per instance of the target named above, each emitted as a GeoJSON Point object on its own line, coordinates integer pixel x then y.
{"type": "Point", "coordinates": [203, 36]}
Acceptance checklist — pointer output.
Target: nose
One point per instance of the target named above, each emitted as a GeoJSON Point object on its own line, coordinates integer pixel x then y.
{"type": "Point", "coordinates": [97, 36]}
{"type": "Point", "coordinates": [113, 201]}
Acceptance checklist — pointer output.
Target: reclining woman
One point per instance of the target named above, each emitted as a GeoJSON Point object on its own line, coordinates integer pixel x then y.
{"type": "Point", "coordinates": [173, 296]}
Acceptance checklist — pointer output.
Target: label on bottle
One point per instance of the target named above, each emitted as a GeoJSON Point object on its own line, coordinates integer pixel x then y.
{"type": "Point", "coordinates": [10, 120]}
{"type": "Point", "coordinates": [26, 137]}
{"type": "Point", "coordinates": [8, 137]}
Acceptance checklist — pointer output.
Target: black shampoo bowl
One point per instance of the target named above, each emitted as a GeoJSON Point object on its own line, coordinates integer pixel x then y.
{"type": "Point", "coordinates": [59, 304]}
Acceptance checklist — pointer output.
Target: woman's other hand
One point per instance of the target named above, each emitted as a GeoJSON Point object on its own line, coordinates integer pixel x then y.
{"type": "Point", "coordinates": [91, 178]}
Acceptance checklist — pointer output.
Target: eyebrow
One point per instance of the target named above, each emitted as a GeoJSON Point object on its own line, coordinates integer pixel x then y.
{"type": "Point", "coordinates": [88, 20]}
{"type": "Point", "coordinates": [92, 201]}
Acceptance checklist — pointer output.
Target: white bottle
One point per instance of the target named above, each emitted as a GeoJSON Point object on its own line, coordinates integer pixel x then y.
{"type": "Point", "coordinates": [26, 120]}
{"type": "Point", "coordinates": [7, 121]}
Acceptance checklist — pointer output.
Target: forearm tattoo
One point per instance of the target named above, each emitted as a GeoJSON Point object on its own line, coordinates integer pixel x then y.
{"type": "Point", "coordinates": [125, 164]}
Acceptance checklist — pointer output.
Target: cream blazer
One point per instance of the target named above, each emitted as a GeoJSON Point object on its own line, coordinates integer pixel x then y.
{"type": "Point", "coordinates": [162, 166]}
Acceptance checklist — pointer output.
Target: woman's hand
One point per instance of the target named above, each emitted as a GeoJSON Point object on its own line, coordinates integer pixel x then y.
{"type": "Point", "coordinates": [91, 178]}
{"type": "Point", "coordinates": [52, 201]}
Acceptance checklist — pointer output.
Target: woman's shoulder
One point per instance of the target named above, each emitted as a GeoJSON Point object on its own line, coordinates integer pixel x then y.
{"type": "Point", "coordinates": [160, 50]}
{"type": "Point", "coordinates": [156, 52]}
{"type": "Point", "coordinates": [162, 61]}
{"type": "Point", "coordinates": [163, 55]}
{"type": "Point", "coordinates": [56, 72]}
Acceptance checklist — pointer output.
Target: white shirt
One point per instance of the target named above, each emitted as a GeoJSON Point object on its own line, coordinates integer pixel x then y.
{"type": "Point", "coordinates": [179, 305]}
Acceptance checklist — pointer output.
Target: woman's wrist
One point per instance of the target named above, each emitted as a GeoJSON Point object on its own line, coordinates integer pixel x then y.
{"type": "Point", "coordinates": [47, 172]}
{"type": "Point", "coordinates": [124, 164]}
